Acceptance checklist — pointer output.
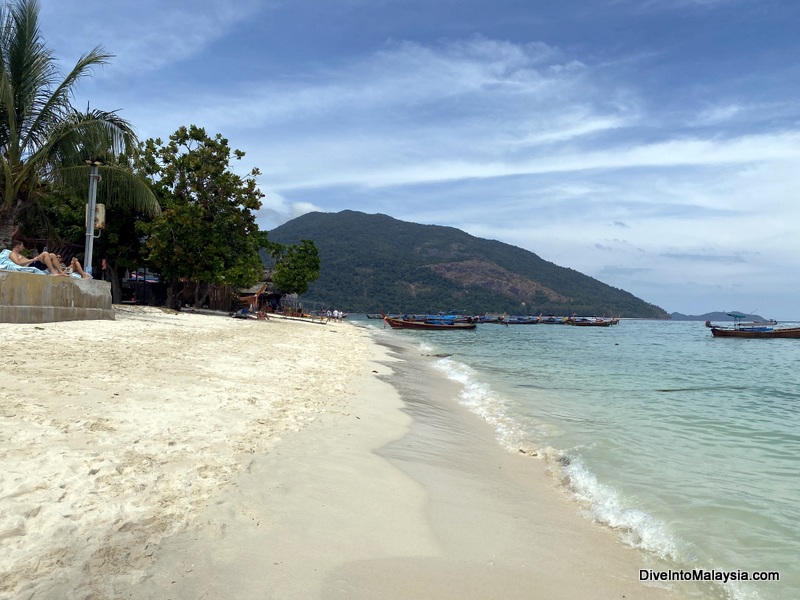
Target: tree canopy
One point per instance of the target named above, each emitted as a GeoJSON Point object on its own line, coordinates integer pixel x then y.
{"type": "Point", "coordinates": [296, 266]}
{"type": "Point", "coordinates": [206, 233]}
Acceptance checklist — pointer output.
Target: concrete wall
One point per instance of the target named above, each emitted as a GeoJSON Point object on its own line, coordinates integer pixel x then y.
{"type": "Point", "coordinates": [31, 298]}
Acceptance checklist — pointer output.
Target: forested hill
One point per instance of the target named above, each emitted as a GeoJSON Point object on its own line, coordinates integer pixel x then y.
{"type": "Point", "coordinates": [375, 262]}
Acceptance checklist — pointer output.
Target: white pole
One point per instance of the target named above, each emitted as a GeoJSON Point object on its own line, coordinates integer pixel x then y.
{"type": "Point", "coordinates": [89, 247]}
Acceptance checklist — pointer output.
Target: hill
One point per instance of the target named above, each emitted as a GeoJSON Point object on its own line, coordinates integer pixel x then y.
{"type": "Point", "coordinates": [376, 262]}
{"type": "Point", "coordinates": [712, 316]}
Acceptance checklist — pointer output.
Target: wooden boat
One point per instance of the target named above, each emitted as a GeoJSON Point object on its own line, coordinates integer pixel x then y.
{"type": "Point", "coordinates": [450, 317]}
{"type": "Point", "coordinates": [428, 324]}
{"type": "Point", "coordinates": [554, 320]}
{"type": "Point", "coordinates": [753, 329]}
{"type": "Point", "coordinates": [489, 319]}
{"type": "Point", "coordinates": [520, 320]}
{"type": "Point", "coordinates": [756, 332]}
{"type": "Point", "coordinates": [590, 322]}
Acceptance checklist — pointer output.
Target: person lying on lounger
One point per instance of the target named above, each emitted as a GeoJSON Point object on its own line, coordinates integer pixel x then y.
{"type": "Point", "coordinates": [44, 261]}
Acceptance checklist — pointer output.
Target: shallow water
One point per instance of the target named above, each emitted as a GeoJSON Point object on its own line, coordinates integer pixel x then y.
{"type": "Point", "coordinates": [688, 445]}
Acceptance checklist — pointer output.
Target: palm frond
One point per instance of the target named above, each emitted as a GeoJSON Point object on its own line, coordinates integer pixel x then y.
{"type": "Point", "coordinates": [43, 140]}
{"type": "Point", "coordinates": [30, 67]}
{"type": "Point", "coordinates": [95, 135]}
{"type": "Point", "coordinates": [56, 107]}
{"type": "Point", "coordinates": [118, 186]}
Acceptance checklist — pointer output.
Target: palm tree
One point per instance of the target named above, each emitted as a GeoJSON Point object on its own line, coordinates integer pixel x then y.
{"type": "Point", "coordinates": [44, 141]}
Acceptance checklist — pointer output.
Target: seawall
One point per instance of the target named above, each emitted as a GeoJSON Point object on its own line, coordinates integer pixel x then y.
{"type": "Point", "coordinates": [31, 298]}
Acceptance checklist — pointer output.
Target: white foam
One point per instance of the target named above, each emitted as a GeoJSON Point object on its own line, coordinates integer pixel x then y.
{"type": "Point", "coordinates": [609, 507]}
{"type": "Point", "coordinates": [484, 401]}
{"type": "Point", "coordinates": [605, 504]}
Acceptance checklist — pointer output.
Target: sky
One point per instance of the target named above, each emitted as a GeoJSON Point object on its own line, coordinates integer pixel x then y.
{"type": "Point", "coordinates": [651, 144]}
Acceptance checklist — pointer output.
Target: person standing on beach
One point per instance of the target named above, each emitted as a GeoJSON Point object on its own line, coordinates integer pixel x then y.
{"type": "Point", "coordinates": [44, 261]}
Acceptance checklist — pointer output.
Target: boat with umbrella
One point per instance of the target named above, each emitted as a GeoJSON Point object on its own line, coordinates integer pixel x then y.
{"type": "Point", "coordinates": [752, 329]}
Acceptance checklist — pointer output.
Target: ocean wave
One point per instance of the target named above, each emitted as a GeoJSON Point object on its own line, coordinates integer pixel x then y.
{"type": "Point", "coordinates": [603, 503]}
{"type": "Point", "coordinates": [609, 507]}
{"type": "Point", "coordinates": [492, 407]}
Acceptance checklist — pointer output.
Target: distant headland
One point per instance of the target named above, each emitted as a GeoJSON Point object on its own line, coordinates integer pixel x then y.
{"type": "Point", "coordinates": [713, 316]}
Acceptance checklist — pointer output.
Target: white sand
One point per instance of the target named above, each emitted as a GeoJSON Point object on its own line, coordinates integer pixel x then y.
{"type": "Point", "coordinates": [186, 456]}
{"type": "Point", "coordinates": [115, 434]}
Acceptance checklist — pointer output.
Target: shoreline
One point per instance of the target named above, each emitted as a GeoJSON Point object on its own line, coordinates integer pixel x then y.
{"type": "Point", "coordinates": [444, 513]}
{"type": "Point", "coordinates": [286, 461]}
{"type": "Point", "coordinates": [508, 526]}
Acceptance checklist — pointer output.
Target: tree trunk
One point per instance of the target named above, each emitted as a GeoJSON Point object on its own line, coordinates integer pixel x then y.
{"type": "Point", "coordinates": [171, 294]}
{"type": "Point", "coordinates": [116, 282]}
{"type": "Point", "coordinates": [174, 295]}
{"type": "Point", "coordinates": [6, 227]}
{"type": "Point", "coordinates": [201, 294]}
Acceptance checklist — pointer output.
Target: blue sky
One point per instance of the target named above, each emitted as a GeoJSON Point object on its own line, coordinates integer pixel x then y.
{"type": "Point", "coordinates": [652, 144]}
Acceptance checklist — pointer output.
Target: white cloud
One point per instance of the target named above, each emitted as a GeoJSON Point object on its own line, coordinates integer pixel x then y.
{"type": "Point", "coordinates": [276, 210]}
{"type": "Point", "coordinates": [145, 35]}
{"type": "Point", "coordinates": [332, 167]}
{"type": "Point", "coordinates": [716, 115]}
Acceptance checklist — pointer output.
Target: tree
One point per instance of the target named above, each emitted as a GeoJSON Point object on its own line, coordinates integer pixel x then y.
{"type": "Point", "coordinates": [44, 141]}
{"type": "Point", "coordinates": [207, 232]}
{"type": "Point", "coordinates": [295, 266]}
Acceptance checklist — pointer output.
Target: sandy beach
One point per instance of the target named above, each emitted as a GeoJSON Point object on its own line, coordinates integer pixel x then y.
{"type": "Point", "coordinates": [182, 456]}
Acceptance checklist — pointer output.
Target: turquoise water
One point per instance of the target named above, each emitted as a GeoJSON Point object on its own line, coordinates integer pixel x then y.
{"type": "Point", "coordinates": [688, 445]}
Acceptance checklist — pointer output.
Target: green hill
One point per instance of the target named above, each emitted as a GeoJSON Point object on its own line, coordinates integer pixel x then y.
{"type": "Point", "coordinates": [374, 262]}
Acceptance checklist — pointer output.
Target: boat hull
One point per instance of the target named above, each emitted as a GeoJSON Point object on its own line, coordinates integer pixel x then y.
{"type": "Point", "coordinates": [787, 332]}
{"type": "Point", "coordinates": [521, 321]}
{"type": "Point", "coordinates": [407, 324]}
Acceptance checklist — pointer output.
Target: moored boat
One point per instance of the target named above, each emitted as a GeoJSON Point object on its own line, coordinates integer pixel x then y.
{"type": "Point", "coordinates": [752, 329]}
{"type": "Point", "coordinates": [756, 332]}
{"type": "Point", "coordinates": [429, 324]}
{"type": "Point", "coordinates": [489, 318]}
{"type": "Point", "coordinates": [591, 321]}
{"type": "Point", "coordinates": [554, 320]}
{"type": "Point", "coordinates": [520, 320]}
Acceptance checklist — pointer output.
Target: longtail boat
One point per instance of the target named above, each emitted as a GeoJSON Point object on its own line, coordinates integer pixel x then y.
{"type": "Point", "coordinates": [774, 332]}
{"type": "Point", "coordinates": [520, 320]}
{"type": "Point", "coordinates": [430, 324]}
{"type": "Point", "coordinates": [755, 329]}
{"type": "Point", "coordinates": [590, 322]}
{"type": "Point", "coordinates": [554, 320]}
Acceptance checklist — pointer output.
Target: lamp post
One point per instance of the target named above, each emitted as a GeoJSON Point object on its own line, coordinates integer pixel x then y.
{"type": "Point", "coordinates": [94, 177]}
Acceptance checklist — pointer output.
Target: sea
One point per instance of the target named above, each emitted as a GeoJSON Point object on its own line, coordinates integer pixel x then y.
{"type": "Point", "coordinates": [685, 445]}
